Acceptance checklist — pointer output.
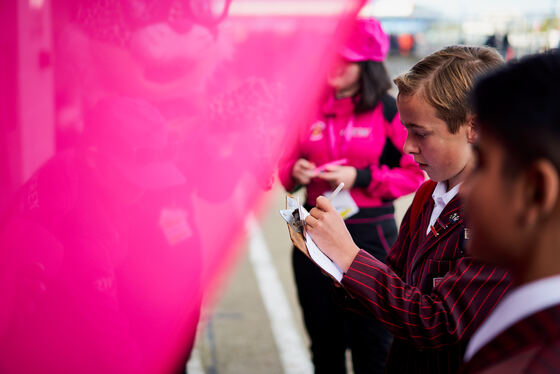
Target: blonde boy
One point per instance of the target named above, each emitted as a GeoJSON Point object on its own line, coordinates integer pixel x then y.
{"type": "Point", "coordinates": [431, 294]}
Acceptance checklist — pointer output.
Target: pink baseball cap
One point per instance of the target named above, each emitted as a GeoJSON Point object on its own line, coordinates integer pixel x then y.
{"type": "Point", "coordinates": [367, 41]}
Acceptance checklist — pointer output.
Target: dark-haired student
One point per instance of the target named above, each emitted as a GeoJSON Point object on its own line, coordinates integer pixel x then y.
{"type": "Point", "coordinates": [431, 295]}
{"type": "Point", "coordinates": [513, 206]}
{"type": "Point", "coordinates": [358, 124]}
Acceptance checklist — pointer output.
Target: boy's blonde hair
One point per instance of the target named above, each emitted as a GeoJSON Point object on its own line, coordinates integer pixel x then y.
{"type": "Point", "coordinates": [445, 78]}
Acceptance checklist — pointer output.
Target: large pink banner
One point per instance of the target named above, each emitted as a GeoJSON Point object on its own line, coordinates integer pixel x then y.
{"type": "Point", "coordinates": [137, 137]}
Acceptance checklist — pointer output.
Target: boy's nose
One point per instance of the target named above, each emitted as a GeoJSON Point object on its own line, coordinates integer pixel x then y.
{"type": "Point", "coordinates": [410, 147]}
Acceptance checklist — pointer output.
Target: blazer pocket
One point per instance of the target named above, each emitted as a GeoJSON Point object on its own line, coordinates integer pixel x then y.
{"type": "Point", "coordinates": [434, 273]}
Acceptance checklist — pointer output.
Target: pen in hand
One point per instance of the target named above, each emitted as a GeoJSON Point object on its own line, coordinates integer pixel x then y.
{"type": "Point", "coordinates": [322, 168]}
{"type": "Point", "coordinates": [336, 191]}
{"type": "Point", "coordinates": [332, 196]}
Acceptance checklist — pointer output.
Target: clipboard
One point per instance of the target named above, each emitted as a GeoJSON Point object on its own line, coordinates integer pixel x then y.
{"type": "Point", "coordinates": [297, 238]}
{"type": "Point", "coordinates": [306, 244]}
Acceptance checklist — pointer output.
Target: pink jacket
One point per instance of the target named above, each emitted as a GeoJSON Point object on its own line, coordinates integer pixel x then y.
{"type": "Point", "coordinates": [362, 150]}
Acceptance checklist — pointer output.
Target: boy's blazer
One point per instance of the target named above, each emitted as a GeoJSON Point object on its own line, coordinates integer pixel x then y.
{"type": "Point", "coordinates": [431, 295]}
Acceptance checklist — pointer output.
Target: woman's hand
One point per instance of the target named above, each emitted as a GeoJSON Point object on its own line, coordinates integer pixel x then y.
{"type": "Point", "coordinates": [329, 232]}
{"type": "Point", "coordinates": [303, 171]}
{"type": "Point", "coordinates": [340, 174]}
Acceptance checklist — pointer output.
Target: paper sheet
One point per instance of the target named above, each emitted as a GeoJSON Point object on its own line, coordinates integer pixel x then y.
{"type": "Point", "coordinates": [322, 260]}
{"type": "Point", "coordinates": [343, 203]}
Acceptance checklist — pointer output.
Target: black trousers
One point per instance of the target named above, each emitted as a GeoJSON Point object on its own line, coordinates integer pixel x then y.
{"type": "Point", "coordinates": [331, 317]}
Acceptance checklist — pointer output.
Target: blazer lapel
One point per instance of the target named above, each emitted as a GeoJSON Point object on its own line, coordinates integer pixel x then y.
{"type": "Point", "coordinates": [450, 217]}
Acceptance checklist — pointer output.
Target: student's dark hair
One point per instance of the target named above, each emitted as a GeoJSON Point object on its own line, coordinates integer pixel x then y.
{"type": "Point", "coordinates": [374, 83]}
{"type": "Point", "coordinates": [519, 105]}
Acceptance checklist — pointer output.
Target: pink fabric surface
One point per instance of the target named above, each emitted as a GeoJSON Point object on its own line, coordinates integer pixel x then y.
{"type": "Point", "coordinates": [137, 137]}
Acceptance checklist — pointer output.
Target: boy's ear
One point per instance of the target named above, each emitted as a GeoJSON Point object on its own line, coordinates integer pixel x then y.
{"type": "Point", "coordinates": [540, 192]}
{"type": "Point", "coordinates": [472, 129]}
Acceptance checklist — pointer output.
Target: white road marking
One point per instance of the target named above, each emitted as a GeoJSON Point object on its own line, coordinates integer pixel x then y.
{"type": "Point", "coordinates": [194, 366]}
{"type": "Point", "coordinates": [293, 354]}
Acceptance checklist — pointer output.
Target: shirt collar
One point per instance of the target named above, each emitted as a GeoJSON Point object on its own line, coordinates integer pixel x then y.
{"type": "Point", "coordinates": [442, 196]}
{"type": "Point", "coordinates": [339, 107]}
{"type": "Point", "coordinates": [519, 303]}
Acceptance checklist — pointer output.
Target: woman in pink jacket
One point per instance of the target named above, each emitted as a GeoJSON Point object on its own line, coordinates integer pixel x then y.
{"type": "Point", "coordinates": [360, 130]}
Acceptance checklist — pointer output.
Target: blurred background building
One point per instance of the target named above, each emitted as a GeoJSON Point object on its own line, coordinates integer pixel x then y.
{"type": "Point", "coordinates": [525, 27]}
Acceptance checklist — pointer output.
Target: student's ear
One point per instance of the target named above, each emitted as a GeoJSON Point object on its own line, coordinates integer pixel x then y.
{"type": "Point", "coordinates": [540, 188]}
{"type": "Point", "coordinates": [472, 130]}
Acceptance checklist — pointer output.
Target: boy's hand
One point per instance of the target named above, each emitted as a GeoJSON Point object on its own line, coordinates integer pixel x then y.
{"type": "Point", "coordinates": [329, 232]}
{"type": "Point", "coordinates": [340, 174]}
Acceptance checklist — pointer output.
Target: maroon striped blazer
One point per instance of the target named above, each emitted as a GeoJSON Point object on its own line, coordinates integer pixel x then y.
{"type": "Point", "coordinates": [531, 345]}
{"type": "Point", "coordinates": [430, 295]}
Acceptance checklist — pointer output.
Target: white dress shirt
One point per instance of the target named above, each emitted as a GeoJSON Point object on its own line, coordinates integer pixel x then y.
{"type": "Point", "coordinates": [441, 197]}
{"type": "Point", "coordinates": [516, 305]}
